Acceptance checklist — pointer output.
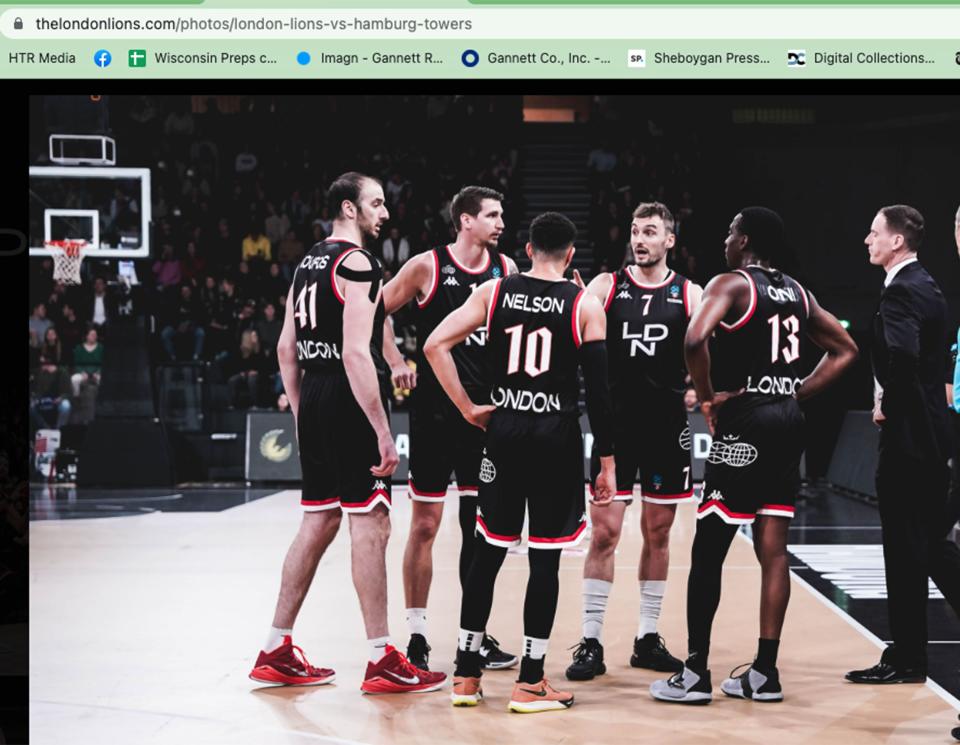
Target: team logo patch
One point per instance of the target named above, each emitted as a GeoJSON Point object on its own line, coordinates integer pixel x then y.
{"type": "Point", "coordinates": [737, 454]}
{"type": "Point", "coordinates": [448, 270]}
{"type": "Point", "coordinates": [271, 449]}
{"type": "Point", "coordinates": [496, 271]}
{"type": "Point", "coordinates": [488, 471]}
{"type": "Point", "coordinates": [657, 481]}
{"type": "Point", "coordinates": [623, 285]}
{"type": "Point", "coordinates": [674, 291]}
{"type": "Point", "coordinates": [685, 439]}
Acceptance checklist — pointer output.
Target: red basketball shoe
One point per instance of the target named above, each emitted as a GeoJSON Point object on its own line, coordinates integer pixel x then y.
{"type": "Point", "coordinates": [395, 674]}
{"type": "Point", "coordinates": [287, 666]}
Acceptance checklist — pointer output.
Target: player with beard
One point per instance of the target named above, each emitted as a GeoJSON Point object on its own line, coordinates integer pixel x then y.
{"type": "Point", "coordinates": [441, 440]}
{"type": "Point", "coordinates": [328, 351]}
{"type": "Point", "coordinates": [648, 306]}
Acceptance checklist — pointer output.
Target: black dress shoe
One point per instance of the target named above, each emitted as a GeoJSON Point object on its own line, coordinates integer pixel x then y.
{"type": "Point", "coordinates": [884, 672]}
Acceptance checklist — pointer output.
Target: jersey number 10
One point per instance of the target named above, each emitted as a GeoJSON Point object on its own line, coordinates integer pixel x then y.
{"type": "Point", "coordinates": [537, 357]}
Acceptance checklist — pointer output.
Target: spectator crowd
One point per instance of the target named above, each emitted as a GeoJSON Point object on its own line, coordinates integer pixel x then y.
{"type": "Point", "coordinates": [238, 198]}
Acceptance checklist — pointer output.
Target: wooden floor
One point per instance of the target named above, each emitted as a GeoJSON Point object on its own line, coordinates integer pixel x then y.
{"type": "Point", "coordinates": [143, 630]}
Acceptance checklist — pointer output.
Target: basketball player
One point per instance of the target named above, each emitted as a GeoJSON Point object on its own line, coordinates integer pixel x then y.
{"type": "Point", "coordinates": [441, 441]}
{"type": "Point", "coordinates": [648, 306]}
{"type": "Point", "coordinates": [331, 337]}
{"type": "Point", "coordinates": [750, 387]}
{"type": "Point", "coordinates": [540, 329]}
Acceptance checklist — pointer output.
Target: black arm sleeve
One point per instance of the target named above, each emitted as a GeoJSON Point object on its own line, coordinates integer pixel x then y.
{"type": "Point", "coordinates": [593, 360]}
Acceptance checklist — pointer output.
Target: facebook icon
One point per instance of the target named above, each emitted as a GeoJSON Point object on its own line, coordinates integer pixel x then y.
{"type": "Point", "coordinates": [102, 58]}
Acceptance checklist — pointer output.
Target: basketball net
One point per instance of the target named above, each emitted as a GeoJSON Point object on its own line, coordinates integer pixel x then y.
{"type": "Point", "coordinates": [67, 258]}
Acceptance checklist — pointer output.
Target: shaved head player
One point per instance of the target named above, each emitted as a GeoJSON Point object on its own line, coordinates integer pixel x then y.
{"type": "Point", "coordinates": [330, 341]}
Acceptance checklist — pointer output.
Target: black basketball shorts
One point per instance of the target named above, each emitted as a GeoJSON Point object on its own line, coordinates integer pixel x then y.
{"type": "Point", "coordinates": [441, 442]}
{"type": "Point", "coordinates": [532, 464]}
{"type": "Point", "coordinates": [754, 463]}
{"type": "Point", "coordinates": [657, 443]}
{"type": "Point", "coordinates": [338, 447]}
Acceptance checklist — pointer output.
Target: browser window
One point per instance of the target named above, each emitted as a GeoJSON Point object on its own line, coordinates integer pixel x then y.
{"type": "Point", "coordinates": [183, 159]}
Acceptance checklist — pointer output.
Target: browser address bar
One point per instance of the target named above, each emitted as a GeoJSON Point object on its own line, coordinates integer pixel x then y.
{"type": "Point", "coordinates": [483, 23]}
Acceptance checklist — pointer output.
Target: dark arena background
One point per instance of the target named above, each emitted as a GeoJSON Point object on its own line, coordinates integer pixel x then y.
{"type": "Point", "coordinates": [163, 465]}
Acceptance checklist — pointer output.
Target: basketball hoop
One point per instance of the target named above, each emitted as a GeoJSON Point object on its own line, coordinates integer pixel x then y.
{"type": "Point", "coordinates": [67, 258]}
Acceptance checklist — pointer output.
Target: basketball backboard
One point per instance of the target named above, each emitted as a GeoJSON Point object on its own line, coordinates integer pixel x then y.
{"type": "Point", "coordinates": [110, 208]}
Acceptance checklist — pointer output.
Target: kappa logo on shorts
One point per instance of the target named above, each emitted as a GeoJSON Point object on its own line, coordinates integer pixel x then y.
{"type": "Point", "coordinates": [715, 495]}
{"type": "Point", "coordinates": [379, 486]}
{"type": "Point", "coordinates": [736, 454]}
{"type": "Point", "coordinates": [488, 471]}
{"type": "Point", "coordinates": [685, 439]}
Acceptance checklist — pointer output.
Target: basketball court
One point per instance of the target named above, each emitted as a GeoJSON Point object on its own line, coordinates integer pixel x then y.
{"type": "Point", "coordinates": [162, 509]}
{"type": "Point", "coordinates": [157, 613]}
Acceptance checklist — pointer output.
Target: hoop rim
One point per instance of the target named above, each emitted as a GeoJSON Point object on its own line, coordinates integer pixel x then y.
{"type": "Point", "coordinates": [70, 247]}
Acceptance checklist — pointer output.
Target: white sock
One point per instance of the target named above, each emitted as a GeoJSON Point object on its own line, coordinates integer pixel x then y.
{"type": "Point", "coordinates": [378, 647]}
{"type": "Point", "coordinates": [535, 649]}
{"type": "Point", "coordinates": [469, 641]}
{"type": "Point", "coordinates": [417, 621]}
{"type": "Point", "coordinates": [595, 595]}
{"type": "Point", "coordinates": [651, 598]}
{"type": "Point", "coordinates": [275, 638]}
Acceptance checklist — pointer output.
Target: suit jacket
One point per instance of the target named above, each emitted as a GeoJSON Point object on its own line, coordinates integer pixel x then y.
{"type": "Point", "coordinates": [88, 306]}
{"type": "Point", "coordinates": [909, 336]}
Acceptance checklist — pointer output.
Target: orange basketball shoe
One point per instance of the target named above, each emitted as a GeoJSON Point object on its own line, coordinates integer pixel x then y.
{"type": "Point", "coordinates": [529, 699]}
{"type": "Point", "coordinates": [466, 691]}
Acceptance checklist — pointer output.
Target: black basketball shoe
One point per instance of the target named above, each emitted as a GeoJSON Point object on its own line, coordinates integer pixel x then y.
{"type": "Point", "coordinates": [418, 651]}
{"type": "Point", "coordinates": [494, 658]}
{"type": "Point", "coordinates": [651, 653]}
{"type": "Point", "coordinates": [587, 660]}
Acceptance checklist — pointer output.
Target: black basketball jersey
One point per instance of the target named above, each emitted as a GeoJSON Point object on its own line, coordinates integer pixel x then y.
{"type": "Point", "coordinates": [646, 324]}
{"type": "Point", "coordinates": [761, 351]}
{"type": "Point", "coordinates": [318, 309]}
{"type": "Point", "coordinates": [533, 332]}
{"type": "Point", "coordinates": [452, 285]}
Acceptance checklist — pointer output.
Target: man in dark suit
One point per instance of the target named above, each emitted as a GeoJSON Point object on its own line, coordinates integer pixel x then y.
{"type": "Point", "coordinates": [915, 442]}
